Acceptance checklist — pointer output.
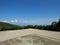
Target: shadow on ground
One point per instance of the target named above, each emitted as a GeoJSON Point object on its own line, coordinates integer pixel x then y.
{"type": "Point", "coordinates": [31, 39]}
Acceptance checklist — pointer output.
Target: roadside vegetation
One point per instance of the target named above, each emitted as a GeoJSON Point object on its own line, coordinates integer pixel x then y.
{"type": "Point", "coordinates": [55, 26]}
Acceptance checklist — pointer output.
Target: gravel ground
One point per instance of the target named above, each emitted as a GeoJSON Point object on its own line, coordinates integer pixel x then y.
{"type": "Point", "coordinates": [29, 36]}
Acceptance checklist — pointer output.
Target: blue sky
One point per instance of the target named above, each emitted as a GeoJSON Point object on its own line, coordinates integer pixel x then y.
{"type": "Point", "coordinates": [23, 12]}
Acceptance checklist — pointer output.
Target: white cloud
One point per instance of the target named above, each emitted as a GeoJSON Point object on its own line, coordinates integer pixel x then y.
{"type": "Point", "coordinates": [28, 22]}
{"type": "Point", "coordinates": [11, 21]}
{"type": "Point", "coordinates": [4, 21]}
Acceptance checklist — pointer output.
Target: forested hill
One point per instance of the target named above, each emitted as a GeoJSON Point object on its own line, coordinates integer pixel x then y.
{"type": "Point", "coordinates": [7, 26]}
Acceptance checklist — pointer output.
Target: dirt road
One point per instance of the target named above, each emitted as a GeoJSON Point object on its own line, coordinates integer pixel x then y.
{"type": "Point", "coordinates": [6, 35]}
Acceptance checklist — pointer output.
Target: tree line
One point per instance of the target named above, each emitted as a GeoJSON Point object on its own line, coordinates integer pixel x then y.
{"type": "Point", "coordinates": [54, 26]}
